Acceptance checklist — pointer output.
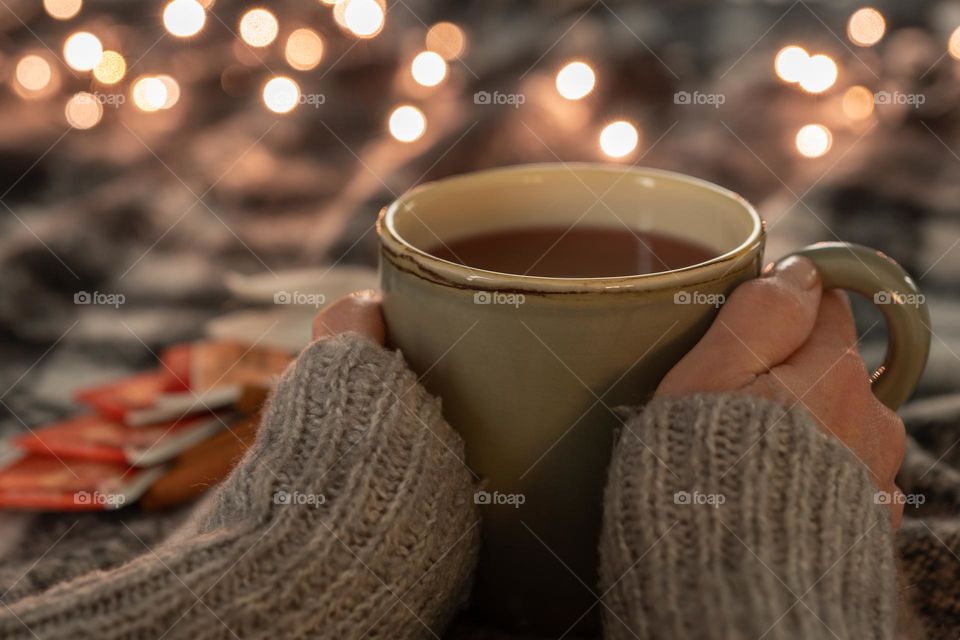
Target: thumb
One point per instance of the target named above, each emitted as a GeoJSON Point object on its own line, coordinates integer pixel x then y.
{"type": "Point", "coordinates": [760, 326]}
{"type": "Point", "coordinates": [358, 312]}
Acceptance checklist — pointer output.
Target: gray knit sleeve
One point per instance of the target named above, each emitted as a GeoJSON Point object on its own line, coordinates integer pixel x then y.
{"type": "Point", "coordinates": [730, 517]}
{"type": "Point", "coordinates": [351, 516]}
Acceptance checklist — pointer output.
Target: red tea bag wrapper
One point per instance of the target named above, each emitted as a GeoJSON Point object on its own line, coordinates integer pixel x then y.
{"type": "Point", "coordinates": [46, 484]}
{"type": "Point", "coordinates": [100, 439]}
{"type": "Point", "coordinates": [116, 398]}
{"type": "Point", "coordinates": [232, 364]}
{"type": "Point", "coordinates": [140, 391]}
{"type": "Point", "coordinates": [219, 373]}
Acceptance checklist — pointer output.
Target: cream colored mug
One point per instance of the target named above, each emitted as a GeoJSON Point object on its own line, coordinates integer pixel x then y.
{"type": "Point", "coordinates": [528, 368]}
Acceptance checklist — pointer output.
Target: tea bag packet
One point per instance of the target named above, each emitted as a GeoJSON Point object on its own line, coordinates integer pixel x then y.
{"type": "Point", "coordinates": [39, 483]}
{"type": "Point", "coordinates": [121, 398]}
{"type": "Point", "coordinates": [99, 439]}
{"type": "Point", "coordinates": [200, 377]}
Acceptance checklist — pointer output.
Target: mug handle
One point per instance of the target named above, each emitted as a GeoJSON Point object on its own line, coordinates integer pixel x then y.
{"type": "Point", "coordinates": [844, 265]}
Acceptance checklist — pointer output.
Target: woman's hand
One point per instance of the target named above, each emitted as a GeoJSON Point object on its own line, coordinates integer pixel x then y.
{"type": "Point", "coordinates": [358, 312]}
{"type": "Point", "coordinates": [781, 338]}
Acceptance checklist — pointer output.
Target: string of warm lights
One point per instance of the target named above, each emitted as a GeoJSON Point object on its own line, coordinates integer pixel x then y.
{"type": "Point", "coordinates": [37, 75]}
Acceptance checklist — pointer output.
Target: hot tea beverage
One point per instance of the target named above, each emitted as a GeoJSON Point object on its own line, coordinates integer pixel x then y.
{"type": "Point", "coordinates": [578, 252]}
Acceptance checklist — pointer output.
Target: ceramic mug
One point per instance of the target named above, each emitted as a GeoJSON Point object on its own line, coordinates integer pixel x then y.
{"type": "Point", "coordinates": [528, 368]}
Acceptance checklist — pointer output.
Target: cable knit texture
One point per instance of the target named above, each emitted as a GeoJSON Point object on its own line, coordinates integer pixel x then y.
{"type": "Point", "coordinates": [352, 516]}
{"type": "Point", "coordinates": [730, 517]}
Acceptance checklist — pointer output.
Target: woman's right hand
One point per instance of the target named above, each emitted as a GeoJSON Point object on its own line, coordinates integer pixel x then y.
{"type": "Point", "coordinates": [780, 337]}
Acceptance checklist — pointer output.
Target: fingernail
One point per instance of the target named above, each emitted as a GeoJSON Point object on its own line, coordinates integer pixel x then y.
{"type": "Point", "coordinates": [365, 294]}
{"type": "Point", "coordinates": [798, 271]}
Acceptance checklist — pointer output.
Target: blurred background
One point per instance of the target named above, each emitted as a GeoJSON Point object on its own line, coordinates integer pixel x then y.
{"type": "Point", "coordinates": [162, 165]}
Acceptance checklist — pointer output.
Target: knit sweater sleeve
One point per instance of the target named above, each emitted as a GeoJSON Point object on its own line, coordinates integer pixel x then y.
{"type": "Point", "coordinates": [730, 517]}
{"type": "Point", "coordinates": [351, 516]}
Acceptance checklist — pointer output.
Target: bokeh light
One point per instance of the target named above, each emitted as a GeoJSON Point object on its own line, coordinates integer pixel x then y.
{"type": "Point", "coordinates": [407, 123]}
{"type": "Point", "coordinates": [790, 63]}
{"type": "Point", "coordinates": [447, 39]}
{"type": "Point", "coordinates": [866, 26]}
{"type": "Point", "coordinates": [184, 18]}
{"type": "Point", "coordinates": [83, 110]}
{"type": "Point", "coordinates": [150, 94]}
{"type": "Point", "coordinates": [281, 94]}
{"type": "Point", "coordinates": [111, 69]}
{"type": "Point", "coordinates": [258, 27]}
{"type": "Point", "coordinates": [813, 140]}
{"type": "Point", "coordinates": [429, 68]}
{"type": "Point", "coordinates": [33, 73]}
{"type": "Point", "coordinates": [858, 102]}
{"type": "Point", "coordinates": [619, 139]}
{"type": "Point", "coordinates": [82, 51]}
{"type": "Point", "coordinates": [362, 18]}
{"type": "Point", "coordinates": [304, 49]}
{"type": "Point", "coordinates": [953, 44]}
{"type": "Point", "coordinates": [62, 9]}
{"type": "Point", "coordinates": [819, 74]}
{"type": "Point", "coordinates": [575, 80]}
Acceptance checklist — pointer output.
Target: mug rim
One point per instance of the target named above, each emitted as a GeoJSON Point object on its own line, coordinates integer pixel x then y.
{"type": "Point", "coordinates": [406, 256]}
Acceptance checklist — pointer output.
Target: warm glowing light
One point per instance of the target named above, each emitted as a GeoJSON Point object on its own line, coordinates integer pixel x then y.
{"type": "Point", "coordinates": [281, 95]}
{"type": "Point", "coordinates": [184, 18]}
{"type": "Point", "coordinates": [82, 51]}
{"type": "Point", "coordinates": [83, 111]}
{"type": "Point", "coordinates": [34, 73]}
{"type": "Point", "coordinates": [866, 26]}
{"type": "Point", "coordinates": [819, 74]}
{"type": "Point", "coordinates": [304, 49]}
{"type": "Point", "coordinates": [111, 69]}
{"type": "Point", "coordinates": [619, 138]}
{"type": "Point", "coordinates": [173, 91]}
{"type": "Point", "coordinates": [575, 80]}
{"type": "Point", "coordinates": [407, 123]}
{"type": "Point", "coordinates": [953, 44]}
{"type": "Point", "coordinates": [858, 102]}
{"type": "Point", "coordinates": [447, 39]}
{"type": "Point", "coordinates": [62, 9]}
{"type": "Point", "coordinates": [429, 68]}
{"type": "Point", "coordinates": [150, 93]}
{"type": "Point", "coordinates": [814, 140]}
{"type": "Point", "coordinates": [363, 18]}
{"type": "Point", "coordinates": [790, 63]}
{"type": "Point", "coordinates": [258, 27]}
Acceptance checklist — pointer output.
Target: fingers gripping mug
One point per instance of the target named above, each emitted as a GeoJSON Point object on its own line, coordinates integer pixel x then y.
{"type": "Point", "coordinates": [529, 367]}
